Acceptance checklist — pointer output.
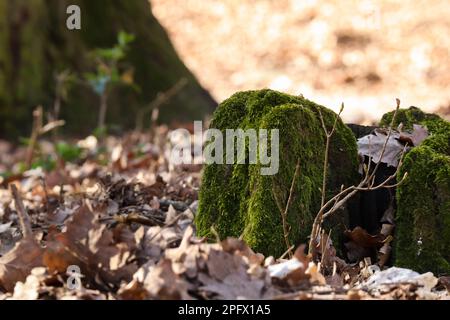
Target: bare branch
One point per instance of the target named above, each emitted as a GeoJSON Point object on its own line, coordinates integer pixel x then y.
{"type": "Point", "coordinates": [161, 98]}
{"type": "Point", "coordinates": [328, 135]}
{"type": "Point", "coordinates": [284, 213]}
{"type": "Point", "coordinates": [387, 138]}
{"type": "Point", "coordinates": [51, 125]}
{"type": "Point", "coordinates": [366, 184]}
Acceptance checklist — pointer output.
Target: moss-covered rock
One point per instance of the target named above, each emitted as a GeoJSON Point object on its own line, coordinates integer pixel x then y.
{"type": "Point", "coordinates": [237, 200]}
{"type": "Point", "coordinates": [423, 200]}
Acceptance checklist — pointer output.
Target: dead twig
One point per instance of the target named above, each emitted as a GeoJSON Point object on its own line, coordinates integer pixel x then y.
{"type": "Point", "coordinates": [136, 218]}
{"type": "Point", "coordinates": [161, 98]}
{"type": "Point", "coordinates": [328, 135]}
{"type": "Point", "coordinates": [284, 213]}
{"type": "Point", "coordinates": [37, 127]}
{"type": "Point", "coordinates": [44, 187]}
{"type": "Point", "coordinates": [288, 251]}
{"type": "Point", "coordinates": [24, 218]}
{"type": "Point", "coordinates": [367, 184]}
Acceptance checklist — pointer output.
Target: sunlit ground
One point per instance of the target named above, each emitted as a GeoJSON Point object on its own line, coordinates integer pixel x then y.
{"type": "Point", "coordinates": [362, 53]}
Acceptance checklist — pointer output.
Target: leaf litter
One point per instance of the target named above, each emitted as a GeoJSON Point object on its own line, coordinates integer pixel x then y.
{"type": "Point", "coordinates": [128, 226]}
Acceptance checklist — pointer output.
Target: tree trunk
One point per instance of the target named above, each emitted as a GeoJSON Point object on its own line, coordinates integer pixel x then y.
{"type": "Point", "coordinates": [35, 44]}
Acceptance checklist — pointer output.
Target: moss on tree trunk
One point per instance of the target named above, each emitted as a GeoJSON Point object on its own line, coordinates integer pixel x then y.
{"type": "Point", "coordinates": [35, 43]}
{"type": "Point", "coordinates": [423, 200]}
{"type": "Point", "coordinates": [236, 199]}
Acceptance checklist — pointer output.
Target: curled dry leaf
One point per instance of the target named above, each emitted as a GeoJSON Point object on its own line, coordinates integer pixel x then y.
{"type": "Point", "coordinates": [97, 251]}
{"type": "Point", "coordinates": [17, 263]}
{"type": "Point", "coordinates": [293, 272]}
{"type": "Point", "coordinates": [236, 285]}
{"type": "Point", "coordinates": [445, 282]}
{"type": "Point", "coordinates": [372, 147]}
{"type": "Point", "coordinates": [372, 144]}
{"type": "Point", "coordinates": [162, 283]}
{"type": "Point", "coordinates": [362, 244]}
{"type": "Point", "coordinates": [363, 239]}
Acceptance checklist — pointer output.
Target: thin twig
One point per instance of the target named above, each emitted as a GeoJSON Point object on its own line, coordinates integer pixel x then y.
{"type": "Point", "coordinates": [328, 134]}
{"type": "Point", "coordinates": [44, 186]}
{"type": "Point", "coordinates": [161, 98]}
{"type": "Point", "coordinates": [387, 138]}
{"type": "Point", "coordinates": [51, 126]}
{"type": "Point", "coordinates": [37, 127]}
{"type": "Point", "coordinates": [24, 218]}
{"type": "Point", "coordinates": [288, 251]}
{"type": "Point", "coordinates": [366, 184]}
{"type": "Point", "coordinates": [324, 246]}
{"type": "Point", "coordinates": [136, 218]}
{"type": "Point", "coordinates": [284, 214]}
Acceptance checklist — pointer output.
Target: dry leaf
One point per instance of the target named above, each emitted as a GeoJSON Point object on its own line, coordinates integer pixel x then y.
{"type": "Point", "coordinates": [363, 239]}
{"type": "Point", "coordinates": [236, 285]}
{"type": "Point", "coordinates": [372, 147]}
{"type": "Point", "coordinates": [96, 250]}
{"type": "Point", "coordinates": [16, 264]}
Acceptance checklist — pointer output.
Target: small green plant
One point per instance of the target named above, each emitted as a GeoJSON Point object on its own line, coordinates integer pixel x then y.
{"type": "Point", "coordinates": [68, 152]}
{"type": "Point", "coordinates": [46, 162]}
{"type": "Point", "coordinates": [108, 73]}
{"type": "Point", "coordinates": [63, 81]}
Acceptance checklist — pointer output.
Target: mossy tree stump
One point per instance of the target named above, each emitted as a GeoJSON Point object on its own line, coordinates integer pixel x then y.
{"type": "Point", "coordinates": [237, 200]}
{"type": "Point", "coordinates": [423, 200]}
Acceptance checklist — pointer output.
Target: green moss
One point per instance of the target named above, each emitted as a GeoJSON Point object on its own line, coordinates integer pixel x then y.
{"type": "Point", "coordinates": [238, 200]}
{"type": "Point", "coordinates": [423, 200]}
{"type": "Point", "coordinates": [414, 115]}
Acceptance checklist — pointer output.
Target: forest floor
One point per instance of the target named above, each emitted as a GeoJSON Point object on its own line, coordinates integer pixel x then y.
{"type": "Point", "coordinates": [362, 53]}
{"type": "Point", "coordinates": [113, 219]}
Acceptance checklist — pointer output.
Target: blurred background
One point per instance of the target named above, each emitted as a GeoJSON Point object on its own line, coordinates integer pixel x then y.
{"type": "Point", "coordinates": [181, 57]}
{"type": "Point", "coordinates": [364, 53]}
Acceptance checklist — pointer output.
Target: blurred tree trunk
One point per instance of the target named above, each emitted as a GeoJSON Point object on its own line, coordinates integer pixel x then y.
{"type": "Point", "coordinates": [35, 45]}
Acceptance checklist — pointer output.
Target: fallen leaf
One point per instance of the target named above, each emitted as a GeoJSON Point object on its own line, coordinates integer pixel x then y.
{"type": "Point", "coordinates": [236, 285]}
{"type": "Point", "coordinates": [362, 238]}
{"type": "Point", "coordinates": [372, 147]}
{"type": "Point", "coordinates": [419, 134]}
{"type": "Point", "coordinates": [4, 227]}
{"type": "Point", "coordinates": [162, 283]}
{"type": "Point", "coordinates": [91, 246]}
{"type": "Point", "coordinates": [16, 264]}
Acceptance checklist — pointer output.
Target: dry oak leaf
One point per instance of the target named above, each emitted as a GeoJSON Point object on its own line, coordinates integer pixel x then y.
{"type": "Point", "coordinates": [156, 282]}
{"type": "Point", "coordinates": [236, 285]}
{"type": "Point", "coordinates": [362, 238]}
{"type": "Point", "coordinates": [372, 146]}
{"type": "Point", "coordinates": [16, 264]}
{"type": "Point", "coordinates": [95, 249]}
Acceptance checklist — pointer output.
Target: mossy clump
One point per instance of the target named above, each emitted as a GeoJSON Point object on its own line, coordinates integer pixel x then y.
{"type": "Point", "coordinates": [423, 199]}
{"type": "Point", "coordinates": [414, 115]}
{"type": "Point", "coordinates": [236, 199]}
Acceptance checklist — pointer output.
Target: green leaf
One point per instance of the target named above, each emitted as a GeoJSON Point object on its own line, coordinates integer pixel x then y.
{"type": "Point", "coordinates": [125, 38]}
{"type": "Point", "coordinates": [46, 163]}
{"type": "Point", "coordinates": [68, 152]}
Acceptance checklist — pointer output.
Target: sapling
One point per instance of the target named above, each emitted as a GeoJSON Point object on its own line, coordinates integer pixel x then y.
{"type": "Point", "coordinates": [63, 80]}
{"type": "Point", "coordinates": [108, 73]}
